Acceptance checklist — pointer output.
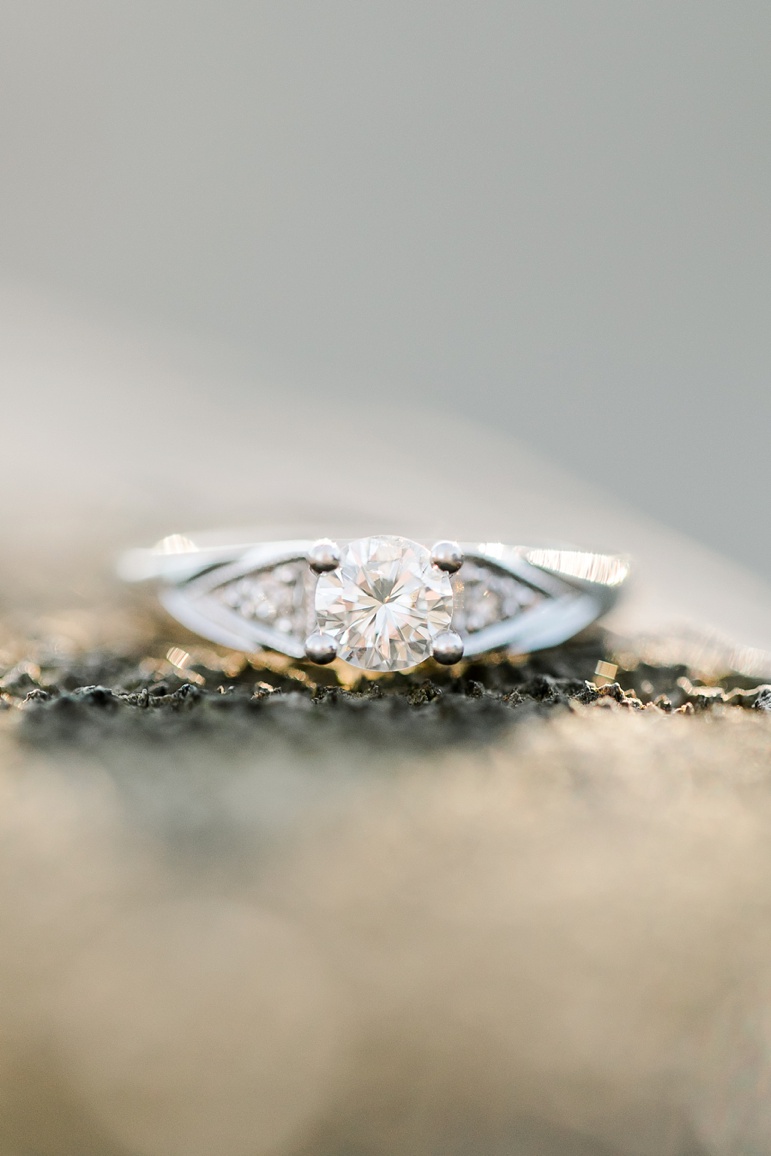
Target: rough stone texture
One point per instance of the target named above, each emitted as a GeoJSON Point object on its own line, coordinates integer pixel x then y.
{"type": "Point", "coordinates": [248, 908]}
{"type": "Point", "coordinates": [140, 695]}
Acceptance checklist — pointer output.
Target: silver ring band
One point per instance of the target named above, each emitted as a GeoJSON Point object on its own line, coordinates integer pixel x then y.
{"type": "Point", "coordinates": [381, 603]}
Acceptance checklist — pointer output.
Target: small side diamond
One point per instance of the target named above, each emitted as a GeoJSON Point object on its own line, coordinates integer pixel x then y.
{"type": "Point", "coordinates": [485, 596]}
{"type": "Point", "coordinates": [278, 598]}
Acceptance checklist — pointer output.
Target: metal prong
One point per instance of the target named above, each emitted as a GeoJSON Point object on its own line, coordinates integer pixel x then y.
{"type": "Point", "coordinates": [447, 556]}
{"type": "Point", "coordinates": [448, 648]}
{"type": "Point", "coordinates": [324, 555]}
{"type": "Point", "coordinates": [321, 649]}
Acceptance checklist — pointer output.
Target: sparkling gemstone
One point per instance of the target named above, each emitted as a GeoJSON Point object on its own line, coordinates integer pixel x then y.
{"type": "Point", "coordinates": [384, 604]}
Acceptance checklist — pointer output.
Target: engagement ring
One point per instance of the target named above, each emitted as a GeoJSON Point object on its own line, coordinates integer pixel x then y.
{"type": "Point", "coordinates": [380, 603]}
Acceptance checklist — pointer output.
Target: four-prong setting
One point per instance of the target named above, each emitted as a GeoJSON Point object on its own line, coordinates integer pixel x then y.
{"type": "Point", "coordinates": [324, 556]}
{"type": "Point", "coordinates": [447, 648]}
{"type": "Point", "coordinates": [447, 556]}
{"type": "Point", "coordinates": [384, 603]}
{"type": "Point", "coordinates": [321, 649]}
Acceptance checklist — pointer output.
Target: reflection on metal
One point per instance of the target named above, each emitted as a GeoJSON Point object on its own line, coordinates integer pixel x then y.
{"type": "Point", "coordinates": [609, 569]}
{"type": "Point", "coordinates": [175, 544]}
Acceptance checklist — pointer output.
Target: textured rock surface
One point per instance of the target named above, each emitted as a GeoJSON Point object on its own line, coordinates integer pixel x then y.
{"type": "Point", "coordinates": [170, 691]}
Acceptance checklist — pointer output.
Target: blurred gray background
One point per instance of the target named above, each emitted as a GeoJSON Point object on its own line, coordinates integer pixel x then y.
{"type": "Point", "coordinates": [552, 217]}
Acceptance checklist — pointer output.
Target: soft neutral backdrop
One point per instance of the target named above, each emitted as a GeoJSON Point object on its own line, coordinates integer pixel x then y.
{"type": "Point", "coordinates": [552, 216]}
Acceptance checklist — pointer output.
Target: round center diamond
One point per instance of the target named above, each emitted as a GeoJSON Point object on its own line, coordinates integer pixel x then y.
{"type": "Point", "coordinates": [384, 604]}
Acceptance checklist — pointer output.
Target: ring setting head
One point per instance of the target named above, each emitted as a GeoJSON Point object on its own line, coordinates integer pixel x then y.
{"type": "Point", "coordinates": [385, 604]}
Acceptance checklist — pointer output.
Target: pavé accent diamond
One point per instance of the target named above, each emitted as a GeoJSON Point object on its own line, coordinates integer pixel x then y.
{"type": "Point", "coordinates": [484, 596]}
{"type": "Point", "coordinates": [277, 597]}
{"type": "Point", "coordinates": [384, 604]}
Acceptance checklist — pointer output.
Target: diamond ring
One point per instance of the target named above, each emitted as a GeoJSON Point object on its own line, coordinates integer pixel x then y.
{"type": "Point", "coordinates": [381, 603]}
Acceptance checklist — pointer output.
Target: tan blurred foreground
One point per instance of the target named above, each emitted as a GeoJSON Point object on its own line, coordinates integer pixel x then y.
{"type": "Point", "coordinates": [557, 944]}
